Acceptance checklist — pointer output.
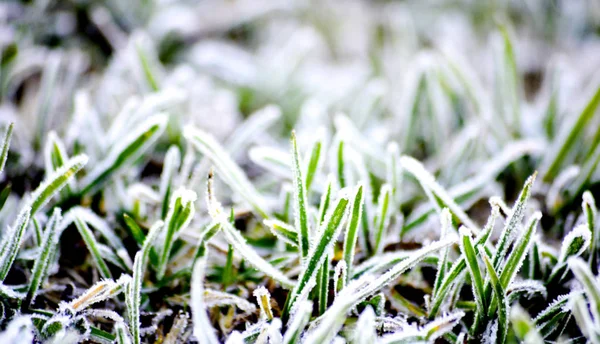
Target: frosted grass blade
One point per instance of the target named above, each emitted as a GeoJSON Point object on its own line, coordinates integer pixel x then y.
{"type": "Point", "coordinates": [328, 232]}
{"type": "Point", "coordinates": [171, 164]}
{"type": "Point", "coordinates": [92, 245]}
{"type": "Point", "coordinates": [446, 224]}
{"type": "Point", "coordinates": [382, 218]}
{"type": "Point", "coordinates": [437, 195]}
{"type": "Point", "coordinates": [590, 285]}
{"type": "Point", "coordinates": [11, 241]}
{"type": "Point", "coordinates": [314, 162]}
{"type": "Point", "coordinates": [56, 181]}
{"type": "Point", "coordinates": [298, 323]}
{"type": "Point", "coordinates": [513, 221]}
{"type": "Point", "coordinates": [584, 319]}
{"type": "Point", "coordinates": [467, 249]}
{"type": "Point", "coordinates": [591, 215]}
{"type": "Point", "coordinates": [5, 145]}
{"type": "Point", "coordinates": [124, 153]}
{"type": "Point", "coordinates": [283, 231]}
{"type": "Point", "coordinates": [501, 301]}
{"type": "Point", "coordinates": [524, 327]}
{"type": "Point", "coordinates": [231, 172]}
{"type": "Point", "coordinates": [351, 235]}
{"type": "Point", "coordinates": [300, 202]}
{"type": "Point", "coordinates": [47, 248]}
{"type": "Point", "coordinates": [203, 329]}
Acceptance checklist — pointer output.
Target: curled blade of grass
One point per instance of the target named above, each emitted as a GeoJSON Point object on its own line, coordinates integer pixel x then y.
{"type": "Point", "coordinates": [513, 221]}
{"type": "Point", "coordinates": [263, 297]}
{"type": "Point", "coordinates": [382, 218]}
{"type": "Point", "coordinates": [283, 231]}
{"type": "Point", "coordinates": [92, 245]}
{"type": "Point", "coordinates": [181, 212]}
{"type": "Point", "coordinates": [203, 330]}
{"type": "Point", "coordinates": [11, 241]}
{"type": "Point", "coordinates": [467, 249]}
{"type": "Point", "coordinates": [99, 292]}
{"type": "Point", "coordinates": [133, 297]}
{"type": "Point", "coordinates": [171, 164]}
{"type": "Point", "coordinates": [501, 301]}
{"type": "Point", "coordinates": [300, 201]}
{"type": "Point", "coordinates": [5, 145]}
{"type": "Point", "coordinates": [524, 327]}
{"type": "Point", "coordinates": [351, 234]}
{"type": "Point", "coordinates": [56, 181]}
{"type": "Point", "coordinates": [573, 245]}
{"type": "Point", "coordinates": [584, 320]}
{"type": "Point", "coordinates": [437, 195]}
{"type": "Point", "coordinates": [564, 143]}
{"type": "Point", "coordinates": [124, 153]}
{"type": "Point", "coordinates": [231, 172]}
{"type": "Point", "coordinates": [590, 285]}
{"type": "Point", "coordinates": [329, 231]}
{"type": "Point", "coordinates": [591, 215]}
{"type": "Point", "coordinates": [47, 249]}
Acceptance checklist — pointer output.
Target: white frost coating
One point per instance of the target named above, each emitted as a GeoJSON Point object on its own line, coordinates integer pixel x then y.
{"type": "Point", "coordinates": [491, 332]}
{"type": "Point", "coordinates": [202, 330]}
{"type": "Point", "coordinates": [271, 159]}
{"type": "Point", "coordinates": [298, 320]}
{"type": "Point", "coordinates": [431, 187]}
{"type": "Point", "coordinates": [339, 275]}
{"type": "Point", "coordinates": [365, 327]}
{"type": "Point", "coordinates": [19, 330]}
{"type": "Point", "coordinates": [213, 298]}
{"type": "Point", "coordinates": [582, 231]}
{"type": "Point", "coordinates": [257, 123]}
{"type": "Point", "coordinates": [529, 287]}
{"type": "Point", "coordinates": [263, 297]}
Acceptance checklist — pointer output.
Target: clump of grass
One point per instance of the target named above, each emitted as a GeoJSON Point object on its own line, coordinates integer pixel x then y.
{"type": "Point", "coordinates": [157, 185]}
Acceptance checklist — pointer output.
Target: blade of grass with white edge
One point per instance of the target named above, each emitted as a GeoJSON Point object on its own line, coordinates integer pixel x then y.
{"type": "Point", "coordinates": [257, 123]}
{"type": "Point", "coordinates": [231, 172]}
{"type": "Point", "coordinates": [125, 152]}
{"type": "Point", "coordinates": [446, 224]}
{"type": "Point", "coordinates": [351, 234]}
{"type": "Point", "coordinates": [300, 201]}
{"type": "Point", "coordinates": [11, 241]}
{"type": "Point", "coordinates": [360, 289]}
{"type": "Point", "coordinates": [5, 145]}
{"type": "Point", "coordinates": [100, 291]}
{"type": "Point", "coordinates": [132, 295]}
{"type": "Point", "coordinates": [314, 161]}
{"type": "Point", "coordinates": [591, 215]}
{"type": "Point", "coordinates": [233, 236]}
{"type": "Point", "coordinates": [468, 251]}
{"type": "Point", "coordinates": [263, 297]}
{"type": "Point", "coordinates": [512, 223]}
{"type": "Point", "coordinates": [564, 143]}
{"type": "Point", "coordinates": [328, 232]}
{"type": "Point", "coordinates": [547, 320]}
{"type": "Point", "coordinates": [322, 281]}
{"type": "Point", "coordinates": [55, 156]}
{"type": "Point", "coordinates": [516, 257]}
{"type": "Point", "coordinates": [181, 212]}
{"type": "Point", "coordinates": [47, 248]}
{"type": "Point", "coordinates": [428, 333]}
{"type": "Point", "coordinates": [460, 264]}
{"type": "Point", "coordinates": [283, 231]}
{"type": "Point", "coordinates": [501, 301]}
{"type": "Point", "coordinates": [364, 333]}
{"type": "Point", "coordinates": [524, 327]}
{"type": "Point", "coordinates": [584, 319]}
{"type": "Point", "coordinates": [573, 245]}
{"type": "Point", "coordinates": [382, 218]}
{"type": "Point", "coordinates": [92, 245]}
{"type": "Point", "coordinates": [340, 273]}
{"type": "Point", "coordinates": [203, 330]}
{"type": "Point", "coordinates": [215, 298]}
{"type": "Point", "coordinates": [171, 164]}
{"type": "Point", "coordinates": [55, 182]}
{"type": "Point", "coordinates": [437, 195]}
{"type": "Point", "coordinates": [590, 285]}
{"type": "Point", "coordinates": [585, 176]}
{"type": "Point", "coordinates": [298, 322]}
{"type": "Point", "coordinates": [341, 166]}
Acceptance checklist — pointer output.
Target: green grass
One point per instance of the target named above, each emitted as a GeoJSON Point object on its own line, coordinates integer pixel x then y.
{"type": "Point", "coordinates": [369, 172]}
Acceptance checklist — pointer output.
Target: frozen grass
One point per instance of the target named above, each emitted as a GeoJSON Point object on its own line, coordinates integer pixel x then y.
{"type": "Point", "coordinates": [291, 172]}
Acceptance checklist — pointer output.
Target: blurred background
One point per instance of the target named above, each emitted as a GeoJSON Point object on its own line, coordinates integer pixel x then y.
{"type": "Point", "coordinates": [452, 83]}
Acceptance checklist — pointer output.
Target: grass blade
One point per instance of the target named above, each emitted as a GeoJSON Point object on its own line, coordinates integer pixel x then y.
{"type": "Point", "coordinates": [382, 218]}
{"type": "Point", "coordinates": [590, 285]}
{"type": "Point", "coordinates": [352, 230]}
{"type": "Point", "coordinates": [300, 202]}
{"type": "Point", "coordinates": [283, 231]}
{"type": "Point", "coordinates": [313, 163]}
{"type": "Point", "coordinates": [48, 248]}
{"type": "Point", "coordinates": [524, 327]}
{"type": "Point", "coordinates": [501, 301]}
{"type": "Point", "coordinates": [468, 251]}
{"type": "Point", "coordinates": [203, 330]}
{"type": "Point", "coordinates": [231, 172]}
{"type": "Point", "coordinates": [11, 242]}
{"type": "Point", "coordinates": [328, 232]}
{"type": "Point", "coordinates": [591, 216]}
{"type": "Point", "coordinates": [5, 145]}
{"type": "Point", "coordinates": [125, 153]}
{"type": "Point", "coordinates": [92, 245]}
{"type": "Point", "coordinates": [55, 182]}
